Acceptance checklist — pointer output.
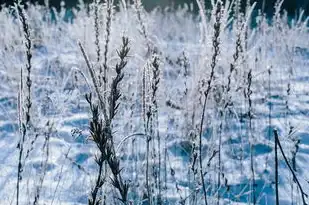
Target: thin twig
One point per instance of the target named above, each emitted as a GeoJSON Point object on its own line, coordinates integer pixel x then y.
{"type": "Point", "coordinates": [303, 194]}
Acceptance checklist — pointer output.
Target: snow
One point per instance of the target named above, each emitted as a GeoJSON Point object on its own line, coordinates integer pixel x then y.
{"type": "Point", "coordinates": [61, 80]}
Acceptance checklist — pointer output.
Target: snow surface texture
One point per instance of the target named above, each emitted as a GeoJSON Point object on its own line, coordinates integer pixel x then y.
{"type": "Point", "coordinates": [277, 54]}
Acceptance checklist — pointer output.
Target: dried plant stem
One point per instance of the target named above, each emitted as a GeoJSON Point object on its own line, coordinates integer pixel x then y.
{"type": "Point", "coordinates": [278, 144]}
{"type": "Point", "coordinates": [43, 163]}
{"type": "Point", "coordinates": [249, 98]}
{"type": "Point", "coordinates": [97, 30]}
{"type": "Point", "coordinates": [94, 81]}
{"type": "Point", "coordinates": [146, 118]}
{"type": "Point", "coordinates": [28, 47]}
{"type": "Point", "coordinates": [101, 133]}
{"type": "Point", "coordinates": [108, 27]}
{"type": "Point", "coordinates": [219, 157]}
{"type": "Point", "coordinates": [268, 97]}
{"type": "Point", "coordinates": [99, 181]}
{"type": "Point", "coordinates": [202, 12]}
{"type": "Point", "coordinates": [155, 86]}
{"type": "Point", "coordinates": [227, 103]}
{"type": "Point", "coordinates": [216, 43]}
{"type": "Point", "coordinates": [276, 171]}
{"type": "Point", "coordinates": [295, 140]}
{"type": "Point", "coordinates": [20, 167]}
{"type": "Point", "coordinates": [238, 51]}
{"type": "Point", "coordinates": [25, 123]}
{"type": "Point", "coordinates": [270, 105]}
{"type": "Point", "coordinates": [99, 137]}
{"type": "Point", "coordinates": [113, 162]}
{"type": "Point", "coordinates": [138, 8]}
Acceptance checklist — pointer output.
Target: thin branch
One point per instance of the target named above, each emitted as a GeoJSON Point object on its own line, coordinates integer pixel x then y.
{"type": "Point", "coordinates": [303, 194]}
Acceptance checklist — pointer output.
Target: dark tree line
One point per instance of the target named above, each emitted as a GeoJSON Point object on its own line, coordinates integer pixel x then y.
{"type": "Point", "coordinates": [268, 5]}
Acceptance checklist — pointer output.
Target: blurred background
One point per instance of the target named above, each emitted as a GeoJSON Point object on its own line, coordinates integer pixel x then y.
{"type": "Point", "coordinates": [292, 6]}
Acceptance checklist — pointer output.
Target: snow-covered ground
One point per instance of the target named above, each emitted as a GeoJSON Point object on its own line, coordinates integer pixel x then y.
{"type": "Point", "coordinates": [277, 55]}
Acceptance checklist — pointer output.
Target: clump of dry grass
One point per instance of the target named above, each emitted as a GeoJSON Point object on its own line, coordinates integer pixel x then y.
{"type": "Point", "coordinates": [106, 94]}
{"type": "Point", "coordinates": [101, 134]}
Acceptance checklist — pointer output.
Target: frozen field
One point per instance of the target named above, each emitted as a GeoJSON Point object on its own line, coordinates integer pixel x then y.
{"type": "Point", "coordinates": [268, 90]}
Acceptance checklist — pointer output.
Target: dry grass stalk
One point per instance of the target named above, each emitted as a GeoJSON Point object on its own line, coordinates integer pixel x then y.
{"type": "Point", "coordinates": [46, 148]}
{"type": "Point", "coordinates": [138, 9]}
{"type": "Point", "coordinates": [155, 121]}
{"type": "Point", "coordinates": [94, 81]}
{"type": "Point", "coordinates": [302, 192]}
{"type": "Point", "coordinates": [26, 122]}
{"type": "Point", "coordinates": [248, 96]}
{"type": "Point", "coordinates": [108, 27]}
{"type": "Point", "coordinates": [216, 50]}
{"type": "Point", "coordinates": [97, 31]}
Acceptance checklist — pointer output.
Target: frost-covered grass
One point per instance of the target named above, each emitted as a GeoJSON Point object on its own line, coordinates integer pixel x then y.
{"type": "Point", "coordinates": [250, 80]}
